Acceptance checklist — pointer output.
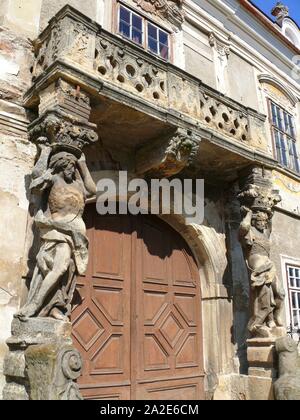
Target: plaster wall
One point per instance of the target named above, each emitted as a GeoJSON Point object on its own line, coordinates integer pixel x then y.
{"type": "Point", "coordinates": [242, 81]}
{"type": "Point", "coordinates": [16, 161]}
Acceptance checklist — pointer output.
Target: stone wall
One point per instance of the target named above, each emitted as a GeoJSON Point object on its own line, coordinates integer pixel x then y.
{"type": "Point", "coordinates": [198, 55]}
{"type": "Point", "coordinates": [16, 161]}
{"type": "Point", "coordinates": [21, 16]}
{"type": "Point", "coordinates": [50, 8]}
{"type": "Point", "coordinates": [242, 88]}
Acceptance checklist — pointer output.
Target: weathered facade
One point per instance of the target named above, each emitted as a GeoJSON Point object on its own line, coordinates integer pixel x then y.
{"type": "Point", "coordinates": [161, 89]}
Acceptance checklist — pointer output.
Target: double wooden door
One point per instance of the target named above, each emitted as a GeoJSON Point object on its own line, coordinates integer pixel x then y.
{"type": "Point", "coordinates": [137, 317]}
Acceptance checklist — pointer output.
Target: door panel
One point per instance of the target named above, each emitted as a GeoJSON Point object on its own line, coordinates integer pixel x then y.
{"type": "Point", "coordinates": [168, 316]}
{"type": "Point", "coordinates": [137, 318]}
{"type": "Point", "coordinates": [101, 323]}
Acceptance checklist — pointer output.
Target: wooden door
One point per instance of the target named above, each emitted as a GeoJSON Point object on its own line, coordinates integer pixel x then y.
{"type": "Point", "coordinates": [137, 314]}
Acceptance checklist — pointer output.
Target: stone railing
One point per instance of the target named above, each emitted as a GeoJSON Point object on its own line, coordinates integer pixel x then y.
{"type": "Point", "coordinates": [126, 71]}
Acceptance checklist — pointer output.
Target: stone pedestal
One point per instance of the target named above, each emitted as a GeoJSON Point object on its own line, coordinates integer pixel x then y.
{"type": "Point", "coordinates": [287, 388]}
{"type": "Point", "coordinates": [263, 365]}
{"type": "Point", "coordinates": [42, 363]}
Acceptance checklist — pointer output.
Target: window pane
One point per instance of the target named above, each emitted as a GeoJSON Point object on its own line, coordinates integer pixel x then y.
{"type": "Point", "coordinates": [152, 45]}
{"type": "Point", "coordinates": [137, 36]}
{"type": "Point", "coordinates": [287, 124]}
{"type": "Point", "coordinates": [124, 15]}
{"type": "Point", "coordinates": [163, 38]}
{"type": "Point", "coordinates": [125, 29]}
{"type": "Point", "coordinates": [164, 51]}
{"type": "Point", "coordinates": [279, 118]}
{"type": "Point", "coordinates": [152, 31]}
{"type": "Point", "coordinates": [283, 150]}
{"type": "Point", "coordinates": [295, 157]}
{"type": "Point", "coordinates": [295, 319]}
{"type": "Point", "coordinates": [274, 115]}
{"type": "Point", "coordinates": [292, 129]}
{"type": "Point", "coordinates": [137, 22]}
{"type": "Point", "coordinates": [294, 300]}
{"type": "Point", "coordinates": [278, 146]}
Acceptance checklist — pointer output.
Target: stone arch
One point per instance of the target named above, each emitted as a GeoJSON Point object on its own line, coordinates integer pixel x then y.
{"type": "Point", "coordinates": [270, 80]}
{"type": "Point", "coordinates": [209, 250]}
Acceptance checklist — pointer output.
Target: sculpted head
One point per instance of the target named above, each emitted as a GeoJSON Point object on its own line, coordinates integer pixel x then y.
{"type": "Point", "coordinates": [65, 164]}
{"type": "Point", "coordinates": [261, 221]}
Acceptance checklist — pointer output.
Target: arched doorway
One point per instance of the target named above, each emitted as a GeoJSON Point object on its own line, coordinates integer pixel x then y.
{"type": "Point", "coordinates": [137, 318]}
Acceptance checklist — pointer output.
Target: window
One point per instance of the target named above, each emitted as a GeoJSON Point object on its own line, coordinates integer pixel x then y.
{"type": "Point", "coordinates": [293, 274]}
{"type": "Point", "coordinates": [158, 41]}
{"type": "Point", "coordinates": [285, 138]}
{"type": "Point", "coordinates": [133, 27]}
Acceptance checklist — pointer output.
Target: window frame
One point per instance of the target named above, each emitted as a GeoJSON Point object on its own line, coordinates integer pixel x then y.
{"type": "Point", "coordinates": [130, 25]}
{"type": "Point", "coordinates": [145, 22]}
{"type": "Point", "coordinates": [292, 160]}
{"type": "Point", "coordinates": [291, 290]}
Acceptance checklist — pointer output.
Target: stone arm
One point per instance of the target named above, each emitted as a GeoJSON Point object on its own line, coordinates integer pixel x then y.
{"type": "Point", "coordinates": [87, 179]}
{"type": "Point", "coordinates": [41, 174]}
{"type": "Point", "coordinates": [246, 224]}
{"type": "Point", "coordinates": [41, 165]}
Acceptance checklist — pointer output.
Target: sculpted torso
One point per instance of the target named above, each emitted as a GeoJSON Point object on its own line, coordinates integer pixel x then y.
{"type": "Point", "coordinates": [258, 247]}
{"type": "Point", "coordinates": [66, 199]}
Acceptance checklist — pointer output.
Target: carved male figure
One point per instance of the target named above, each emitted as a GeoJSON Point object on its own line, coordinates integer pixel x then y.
{"type": "Point", "coordinates": [65, 183]}
{"type": "Point", "coordinates": [267, 294]}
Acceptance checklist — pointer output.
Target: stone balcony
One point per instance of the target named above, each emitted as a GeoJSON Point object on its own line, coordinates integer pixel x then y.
{"type": "Point", "coordinates": [123, 77]}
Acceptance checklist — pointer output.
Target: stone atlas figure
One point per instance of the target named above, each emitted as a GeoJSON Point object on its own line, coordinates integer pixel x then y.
{"type": "Point", "coordinates": [62, 178]}
{"type": "Point", "coordinates": [267, 294]}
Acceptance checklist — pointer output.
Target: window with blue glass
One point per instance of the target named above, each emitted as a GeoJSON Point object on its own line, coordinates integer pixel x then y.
{"type": "Point", "coordinates": [285, 138]}
{"type": "Point", "coordinates": [133, 27]}
{"type": "Point", "coordinates": [158, 41]}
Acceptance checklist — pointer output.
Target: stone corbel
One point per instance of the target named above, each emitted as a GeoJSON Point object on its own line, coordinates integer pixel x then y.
{"type": "Point", "coordinates": [64, 118]}
{"type": "Point", "coordinates": [166, 157]}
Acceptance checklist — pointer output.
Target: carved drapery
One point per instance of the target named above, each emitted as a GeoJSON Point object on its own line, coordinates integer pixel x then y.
{"type": "Point", "coordinates": [258, 200]}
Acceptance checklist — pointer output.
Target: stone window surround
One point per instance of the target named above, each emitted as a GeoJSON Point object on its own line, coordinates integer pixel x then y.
{"type": "Point", "coordinates": [145, 29]}
{"type": "Point", "coordinates": [146, 18]}
{"type": "Point", "coordinates": [287, 261]}
{"type": "Point", "coordinates": [287, 138]}
{"type": "Point", "coordinates": [264, 81]}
